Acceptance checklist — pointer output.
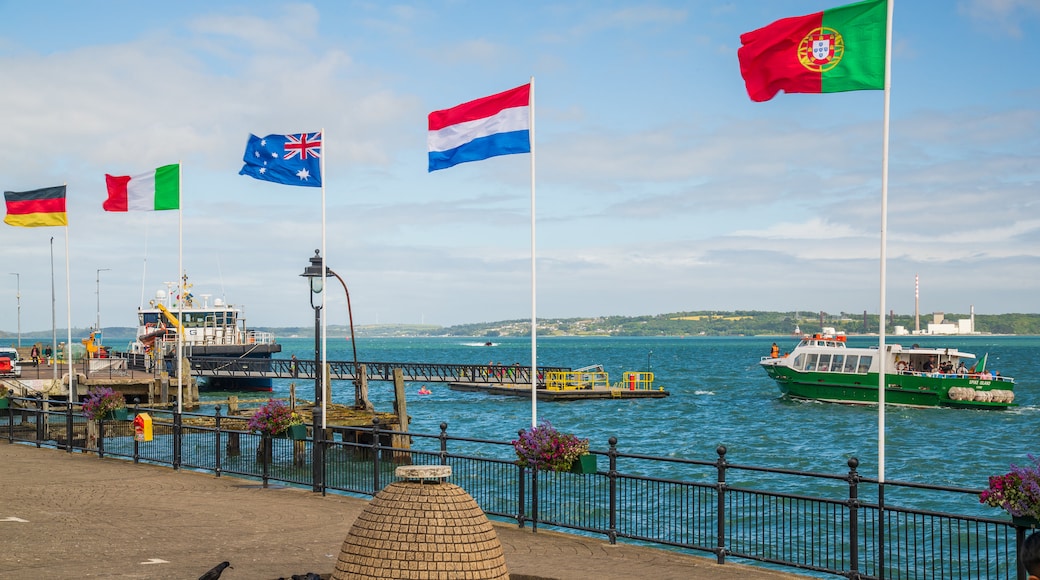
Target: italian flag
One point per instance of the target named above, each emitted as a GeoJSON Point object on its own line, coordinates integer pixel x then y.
{"type": "Point", "coordinates": [841, 49]}
{"type": "Point", "coordinates": [153, 191]}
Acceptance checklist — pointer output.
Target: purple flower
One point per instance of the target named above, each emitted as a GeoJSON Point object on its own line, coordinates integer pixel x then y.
{"type": "Point", "coordinates": [546, 448]}
{"type": "Point", "coordinates": [101, 401]}
{"type": "Point", "coordinates": [1017, 492]}
{"type": "Point", "coordinates": [273, 417]}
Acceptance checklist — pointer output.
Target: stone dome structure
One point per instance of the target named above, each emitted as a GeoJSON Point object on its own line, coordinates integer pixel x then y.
{"type": "Point", "coordinates": [422, 527]}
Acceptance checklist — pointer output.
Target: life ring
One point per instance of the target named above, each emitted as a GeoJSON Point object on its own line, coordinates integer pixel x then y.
{"type": "Point", "coordinates": [901, 366]}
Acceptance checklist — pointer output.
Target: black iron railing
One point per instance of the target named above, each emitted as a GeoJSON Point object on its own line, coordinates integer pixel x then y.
{"type": "Point", "coordinates": [826, 524]}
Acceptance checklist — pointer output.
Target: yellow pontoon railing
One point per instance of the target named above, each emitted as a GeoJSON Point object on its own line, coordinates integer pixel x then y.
{"type": "Point", "coordinates": [636, 381]}
{"type": "Point", "coordinates": [569, 381]}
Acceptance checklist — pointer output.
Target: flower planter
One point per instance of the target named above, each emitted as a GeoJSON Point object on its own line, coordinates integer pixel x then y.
{"type": "Point", "coordinates": [297, 432]}
{"type": "Point", "coordinates": [1025, 522]}
{"type": "Point", "coordinates": [584, 464]}
{"type": "Point", "coordinates": [120, 414]}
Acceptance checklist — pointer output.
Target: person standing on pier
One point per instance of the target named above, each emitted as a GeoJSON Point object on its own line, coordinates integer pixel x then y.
{"type": "Point", "coordinates": [292, 367]}
{"type": "Point", "coordinates": [1029, 556]}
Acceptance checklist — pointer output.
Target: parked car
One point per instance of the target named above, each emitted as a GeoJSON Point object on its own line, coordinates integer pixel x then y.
{"type": "Point", "coordinates": [9, 363]}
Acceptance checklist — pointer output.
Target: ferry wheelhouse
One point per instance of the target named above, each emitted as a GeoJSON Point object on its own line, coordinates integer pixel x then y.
{"type": "Point", "coordinates": [217, 330]}
{"type": "Point", "coordinates": [824, 368]}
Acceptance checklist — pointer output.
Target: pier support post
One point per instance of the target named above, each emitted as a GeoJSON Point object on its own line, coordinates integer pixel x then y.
{"type": "Point", "coordinates": [362, 382]}
{"type": "Point", "coordinates": [399, 441]}
{"type": "Point", "coordinates": [234, 446]}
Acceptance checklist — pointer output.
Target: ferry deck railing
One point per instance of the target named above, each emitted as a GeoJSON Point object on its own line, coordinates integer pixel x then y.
{"type": "Point", "coordinates": [824, 524]}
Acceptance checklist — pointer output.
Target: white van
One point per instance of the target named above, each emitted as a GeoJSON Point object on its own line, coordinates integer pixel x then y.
{"type": "Point", "coordinates": [9, 364]}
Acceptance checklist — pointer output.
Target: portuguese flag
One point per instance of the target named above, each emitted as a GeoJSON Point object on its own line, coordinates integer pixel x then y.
{"type": "Point", "coordinates": [36, 208]}
{"type": "Point", "coordinates": [841, 49]}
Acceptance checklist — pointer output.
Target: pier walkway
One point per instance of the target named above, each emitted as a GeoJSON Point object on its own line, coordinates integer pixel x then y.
{"type": "Point", "coordinates": [211, 366]}
{"type": "Point", "coordinates": [71, 515]}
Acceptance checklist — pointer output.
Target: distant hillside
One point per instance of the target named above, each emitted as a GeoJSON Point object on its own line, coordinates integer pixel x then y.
{"type": "Point", "coordinates": [707, 323]}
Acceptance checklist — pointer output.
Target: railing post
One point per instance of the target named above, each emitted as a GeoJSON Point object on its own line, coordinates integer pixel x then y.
{"type": "Point", "coordinates": [375, 456]}
{"type": "Point", "coordinates": [137, 444]}
{"type": "Point", "coordinates": [720, 488]}
{"type": "Point", "coordinates": [534, 499]}
{"type": "Point", "coordinates": [10, 416]}
{"type": "Point", "coordinates": [853, 479]}
{"type": "Point", "coordinates": [101, 437]}
{"type": "Point", "coordinates": [881, 531]}
{"type": "Point", "coordinates": [216, 441]}
{"type": "Point", "coordinates": [176, 439]}
{"type": "Point", "coordinates": [39, 423]}
{"type": "Point", "coordinates": [521, 515]}
{"type": "Point", "coordinates": [444, 443]}
{"type": "Point", "coordinates": [612, 475]}
{"type": "Point", "coordinates": [68, 427]}
{"type": "Point", "coordinates": [318, 453]}
{"type": "Point", "coordinates": [266, 455]}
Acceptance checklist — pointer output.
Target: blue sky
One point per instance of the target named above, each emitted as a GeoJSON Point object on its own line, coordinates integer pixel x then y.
{"type": "Point", "coordinates": [660, 185]}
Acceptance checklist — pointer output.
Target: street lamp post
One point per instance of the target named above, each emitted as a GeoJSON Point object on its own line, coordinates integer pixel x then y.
{"type": "Point", "coordinates": [97, 323]}
{"type": "Point", "coordinates": [648, 355]}
{"type": "Point", "coordinates": [313, 272]}
{"type": "Point", "coordinates": [18, 298]}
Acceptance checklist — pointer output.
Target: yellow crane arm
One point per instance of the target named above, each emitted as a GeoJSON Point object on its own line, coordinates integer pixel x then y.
{"type": "Point", "coordinates": [169, 316]}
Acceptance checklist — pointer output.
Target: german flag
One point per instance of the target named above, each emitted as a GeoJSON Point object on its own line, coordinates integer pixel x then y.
{"type": "Point", "coordinates": [36, 208]}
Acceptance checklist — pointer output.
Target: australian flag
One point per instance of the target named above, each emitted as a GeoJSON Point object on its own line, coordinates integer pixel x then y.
{"type": "Point", "coordinates": [287, 159]}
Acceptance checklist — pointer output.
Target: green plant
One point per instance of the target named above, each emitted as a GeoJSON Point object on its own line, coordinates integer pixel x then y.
{"type": "Point", "coordinates": [1017, 492]}
{"type": "Point", "coordinates": [545, 448]}
{"type": "Point", "coordinates": [274, 417]}
{"type": "Point", "coordinates": [102, 401]}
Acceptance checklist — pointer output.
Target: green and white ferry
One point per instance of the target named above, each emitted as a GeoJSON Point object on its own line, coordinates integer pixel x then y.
{"type": "Point", "coordinates": [823, 368]}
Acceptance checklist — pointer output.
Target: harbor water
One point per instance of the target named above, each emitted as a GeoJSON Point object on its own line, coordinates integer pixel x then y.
{"type": "Point", "coordinates": [719, 396]}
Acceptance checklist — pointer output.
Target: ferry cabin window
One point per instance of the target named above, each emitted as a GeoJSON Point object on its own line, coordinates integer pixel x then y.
{"type": "Point", "coordinates": [864, 364]}
{"type": "Point", "coordinates": [148, 318]}
{"type": "Point", "coordinates": [810, 362]}
{"type": "Point", "coordinates": [850, 363]}
{"type": "Point", "coordinates": [825, 362]}
{"type": "Point", "coordinates": [837, 363]}
{"type": "Point", "coordinates": [799, 362]}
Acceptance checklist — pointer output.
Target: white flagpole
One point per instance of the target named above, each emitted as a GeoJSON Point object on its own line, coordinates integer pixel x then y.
{"type": "Point", "coordinates": [73, 395]}
{"type": "Point", "coordinates": [180, 300]}
{"type": "Point", "coordinates": [884, 243]}
{"type": "Point", "coordinates": [324, 291]}
{"type": "Point", "coordinates": [534, 285]}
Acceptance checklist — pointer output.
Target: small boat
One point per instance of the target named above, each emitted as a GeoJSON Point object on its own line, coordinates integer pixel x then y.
{"type": "Point", "coordinates": [823, 368]}
{"type": "Point", "coordinates": [216, 330]}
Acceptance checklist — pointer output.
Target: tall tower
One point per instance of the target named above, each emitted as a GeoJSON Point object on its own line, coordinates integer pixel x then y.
{"type": "Point", "coordinates": [917, 304]}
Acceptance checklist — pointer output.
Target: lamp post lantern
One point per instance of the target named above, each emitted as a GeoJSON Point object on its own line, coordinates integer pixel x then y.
{"type": "Point", "coordinates": [18, 298]}
{"type": "Point", "coordinates": [313, 273]}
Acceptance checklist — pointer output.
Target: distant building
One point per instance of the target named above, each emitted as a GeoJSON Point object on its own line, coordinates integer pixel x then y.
{"type": "Point", "coordinates": [941, 326]}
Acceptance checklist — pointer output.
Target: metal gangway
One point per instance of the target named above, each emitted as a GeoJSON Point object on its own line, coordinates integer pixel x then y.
{"type": "Point", "coordinates": [234, 367]}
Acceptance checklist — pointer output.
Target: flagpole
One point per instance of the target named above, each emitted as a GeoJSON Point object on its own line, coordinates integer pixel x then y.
{"type": "Point", "coordinates": [881, 315]}
{"type": "Point", "coordinates": [73, 395]}
{"type": "Point", "coordinates": [180, 294]}
{"type": "Point", "coordinates": [534, 285]}
{"type": "Point", "coordinates": [324, 291]}
{"type": "Point", "coordinates": [884, 245]}
{"type": "Point", "coordinates": [54, 320]}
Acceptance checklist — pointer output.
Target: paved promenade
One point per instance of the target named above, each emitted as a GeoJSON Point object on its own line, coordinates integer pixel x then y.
{"type": "Point", "coordinates": [73, 515]}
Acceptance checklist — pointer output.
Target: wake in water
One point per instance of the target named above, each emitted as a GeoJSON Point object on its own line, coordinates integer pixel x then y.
{"type": "Point", "coordinates": [489, 343]}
